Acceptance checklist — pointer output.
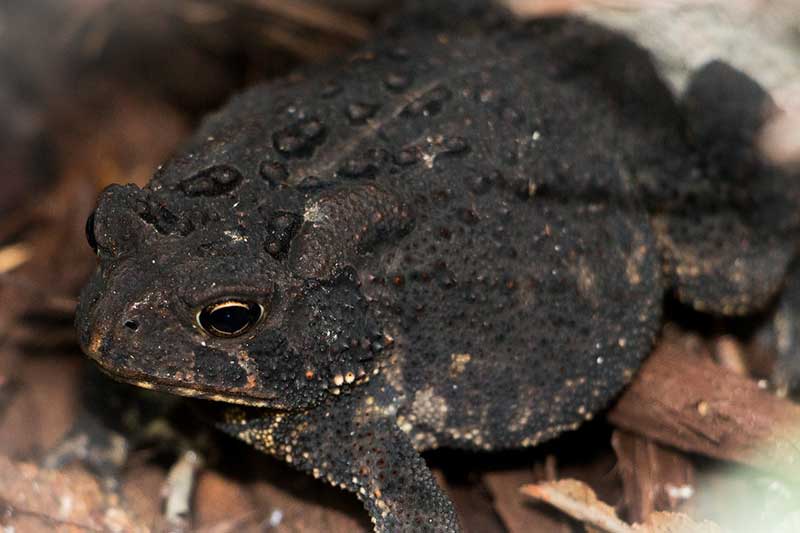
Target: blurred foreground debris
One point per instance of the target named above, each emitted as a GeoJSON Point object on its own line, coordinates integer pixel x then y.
{"type": "Point", "coordinates": [759, 37]}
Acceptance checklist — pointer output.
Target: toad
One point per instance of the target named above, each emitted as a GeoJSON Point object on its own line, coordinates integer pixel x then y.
{"type": "Point", "coordinates": [461, 236]}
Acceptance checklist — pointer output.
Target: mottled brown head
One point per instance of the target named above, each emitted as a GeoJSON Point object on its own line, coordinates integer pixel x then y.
{"type": "Point", "coordinates": [199, 298]}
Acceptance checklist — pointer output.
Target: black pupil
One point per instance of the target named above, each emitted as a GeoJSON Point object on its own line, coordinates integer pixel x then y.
{"type": "Point", "coordinates": [90, 232]}
{"type": "Point", "coordinates": [229, 318]}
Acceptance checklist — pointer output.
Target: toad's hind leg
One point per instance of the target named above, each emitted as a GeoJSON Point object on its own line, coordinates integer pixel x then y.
{"type": "Point", "coordinates": [728, 232]}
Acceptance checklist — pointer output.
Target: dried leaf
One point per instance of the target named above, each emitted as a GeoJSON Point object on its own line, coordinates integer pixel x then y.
{"type": "Point", "coordinates": [579, 501]}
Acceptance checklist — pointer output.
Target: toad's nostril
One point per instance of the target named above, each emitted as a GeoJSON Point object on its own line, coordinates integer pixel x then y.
{"type": "Point", "coordinates": [132, 325]}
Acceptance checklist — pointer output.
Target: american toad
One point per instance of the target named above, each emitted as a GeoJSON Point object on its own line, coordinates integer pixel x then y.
{"type": "Point", "coordinates": [461, 236]}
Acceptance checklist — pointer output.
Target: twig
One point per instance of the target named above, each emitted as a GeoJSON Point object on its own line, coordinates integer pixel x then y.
{"type": "Point", "coordinates": [13, 256]}
{"type": "Point", "coordinates": [316, 16]}
{"type": "Point", "coordinates": [695, 405]}
{"type": "Point", "coordinates": [178, 490]}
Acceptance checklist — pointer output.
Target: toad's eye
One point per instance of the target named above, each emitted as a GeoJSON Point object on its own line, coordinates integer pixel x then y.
{"type": "Point", "coordinates": [90, 238]}
{"type": "Point", "coordinates": [230, 318]}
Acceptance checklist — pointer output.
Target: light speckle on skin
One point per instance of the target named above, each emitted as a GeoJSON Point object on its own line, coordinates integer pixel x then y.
{"type": "Point", "coordinates": [521, 417]}
{"type": "Point", "coordinates": [634, 264]}
{"type": "Point", "coordinates": [246, 363]}
{"type": "Point", "coordinates": [459, 363]}
{"type": "Point", "coordinates": [393, 370]}
{"type": "Point", "coordinates": [313, 213]}
{"type": "Point", "coordinates": [429, 409]}
{"type": "Point", "coordinates": [404, 425]}
{"type": "Point", "coordinates": [473, 435]}
{"type": "Point", "coordinates": [95, 344]}
{"type": "Point", "coordinates": [586, 282]}
{"type": "Point", "coordinates": [235, 236]}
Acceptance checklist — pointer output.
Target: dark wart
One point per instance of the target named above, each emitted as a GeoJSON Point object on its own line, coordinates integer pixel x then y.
{"type": "Point", "coordinates": [461, 237]}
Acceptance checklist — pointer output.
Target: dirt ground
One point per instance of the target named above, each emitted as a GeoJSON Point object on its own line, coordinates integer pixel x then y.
{"type": "Point", "coordinates": [94, 92]}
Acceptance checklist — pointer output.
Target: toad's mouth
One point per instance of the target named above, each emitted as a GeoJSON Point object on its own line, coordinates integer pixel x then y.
{"type": "Point", "coordinates": [200, 391]}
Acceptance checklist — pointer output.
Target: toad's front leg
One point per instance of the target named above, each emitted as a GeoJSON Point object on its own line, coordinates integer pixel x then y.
{"type": "Point", "coordinates": [363, 452]}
